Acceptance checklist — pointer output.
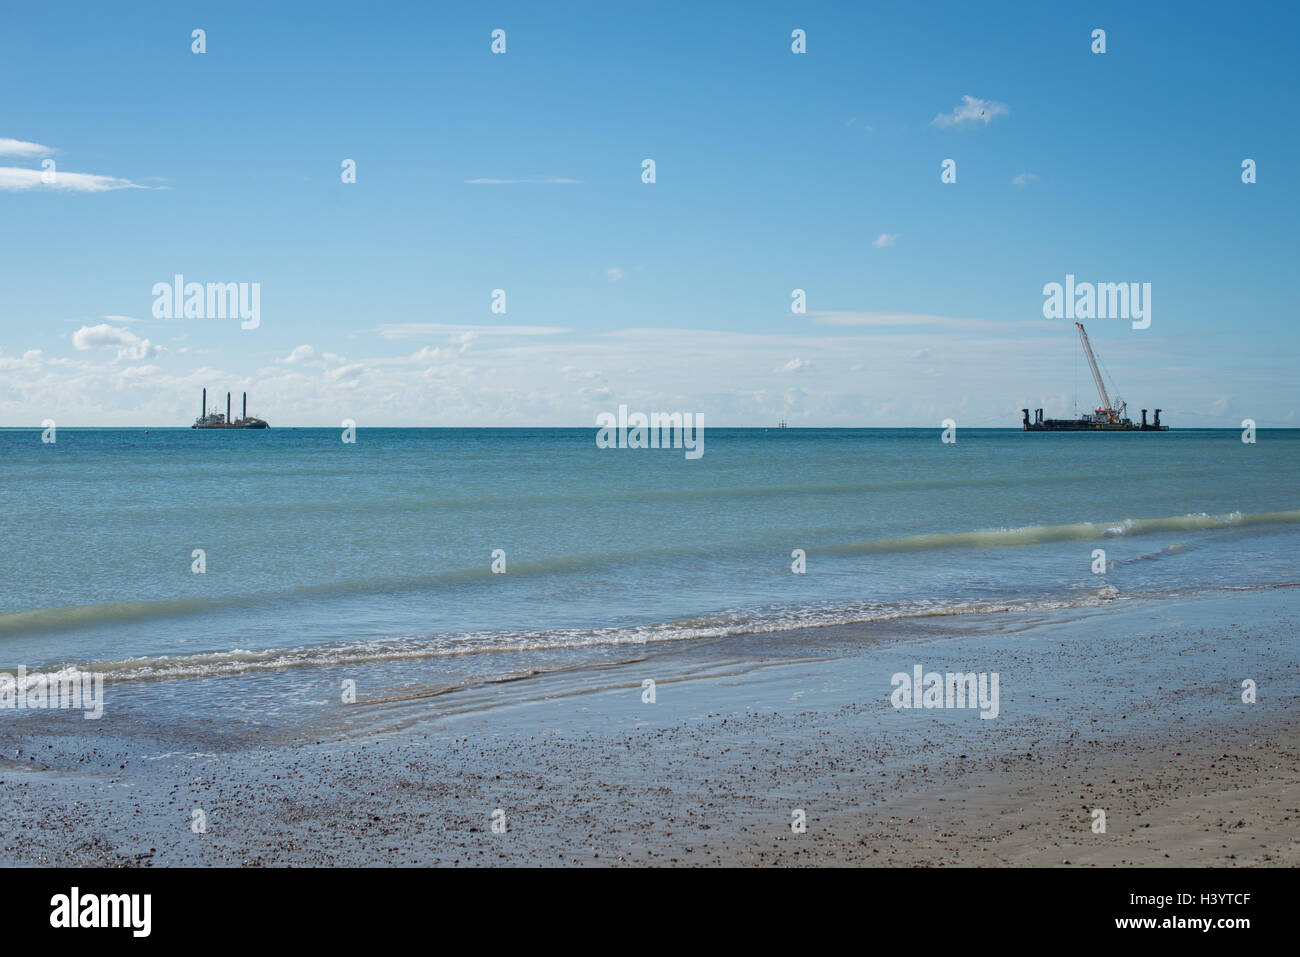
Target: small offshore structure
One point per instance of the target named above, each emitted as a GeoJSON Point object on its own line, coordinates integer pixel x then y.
{"type": "Point", "coordinates": [215, 420]}
{"type": "Point", "coordinates": [1109, 417]}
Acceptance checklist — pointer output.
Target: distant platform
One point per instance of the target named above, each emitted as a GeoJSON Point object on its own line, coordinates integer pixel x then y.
{"type": "Point", "coordinates": [238, 424]}
{"type": "Point", "coordinates": [1104, 420]}
{"type": "Point", "coordinates": [216, 420]}
{"type": "Point", "coordinates": [1084, 425]}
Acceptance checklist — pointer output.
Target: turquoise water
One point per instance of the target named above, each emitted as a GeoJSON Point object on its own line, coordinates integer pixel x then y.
{"type": "Point", "coordinates": [320, 551]}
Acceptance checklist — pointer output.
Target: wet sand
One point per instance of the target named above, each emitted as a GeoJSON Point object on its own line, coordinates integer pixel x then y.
{"type": "Point", "coordinates": [1132, 707]}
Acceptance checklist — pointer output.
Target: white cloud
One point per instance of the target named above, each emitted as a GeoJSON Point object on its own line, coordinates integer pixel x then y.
{"type": "Point", "coordinates": [16, 178]}
{"type": "Point", "coordinates": [613, 274]}
{"type": "Point", "coordinates": [139, 372]}
{"type": "Point", "coordinates": [127, 343]}
{"type": "Point", "coordinates": [1023, 180]}
{"type": "Point", "coordinates": [463, 331]}
{"type": "Point", "coordinates": [20, 148]}
{"type": "Point", "coordinates": [600, 393]}
{"type": "Point", "coordinates": [971, 110]}
{"type": "Point", "coordinates": [303, 353]}
{"type": "Point", "coordinates": [918, 320]}
{"type": "Point", "coordinates": [29, 361]}
{"type": "Point", "coordinates": [585, 375]}
{"type": "Point", "coordinates": [351, 371]}
{"type": "Point", "coordinates": [851, 369]}
{"type": "Point", "coordinates": [885, 239]}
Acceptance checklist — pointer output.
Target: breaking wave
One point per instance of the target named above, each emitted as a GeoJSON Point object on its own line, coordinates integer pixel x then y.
{"type": "Point", "coordinates": [1076, 531]}
{"type": "Point", "coordinates": [240, 661]}
{"type": "Point", "coordinates": [82, 616]}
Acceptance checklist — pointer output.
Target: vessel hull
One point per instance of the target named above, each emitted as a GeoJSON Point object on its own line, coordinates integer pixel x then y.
{"type": "Point", "coordinates": [1077, 425]}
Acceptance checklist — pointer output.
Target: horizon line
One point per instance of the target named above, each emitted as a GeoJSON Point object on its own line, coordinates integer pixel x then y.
{"type": "Point", "coordinates": [569, 428]}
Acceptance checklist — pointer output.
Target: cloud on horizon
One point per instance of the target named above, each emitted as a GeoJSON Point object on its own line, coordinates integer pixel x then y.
{"type": "Point", "coordinates": [881, 373]}
{"type": "Point", "coordinates": [104, 336]}
{"type": "Point", "coordinates": [911, 320]}
{"type": "Point", "coordinates": [415, 330]}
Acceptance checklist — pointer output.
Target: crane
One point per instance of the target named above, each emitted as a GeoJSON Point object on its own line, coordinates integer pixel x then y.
{"type": "Point", "coordinates": [1112, 415]}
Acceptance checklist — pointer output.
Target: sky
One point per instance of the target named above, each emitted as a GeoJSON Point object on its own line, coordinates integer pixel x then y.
{"type": "Point", "coordinates": [522, 171]}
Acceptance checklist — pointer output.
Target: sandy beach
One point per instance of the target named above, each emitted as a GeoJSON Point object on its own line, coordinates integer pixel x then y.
{"type": "Point", "coordinates": [1130, 707]}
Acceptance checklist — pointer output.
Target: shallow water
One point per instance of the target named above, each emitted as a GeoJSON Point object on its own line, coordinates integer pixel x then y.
{"type": "Point", "coordinates": [323, 552]}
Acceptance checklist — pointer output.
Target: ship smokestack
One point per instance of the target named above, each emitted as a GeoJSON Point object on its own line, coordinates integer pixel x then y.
{"type": "Point", "coordinates": [227, 408]}
{"type": "Point", "coordinates": [204, 410]}
{"type": "Point", "coordinates": [1144, 418]}
{"type": "Point", "coordinates": [1026, 412]}
{"type": "Point", "coordinates": [245, 405]}
{"type": "Point", "coordinates": [1157, 422]}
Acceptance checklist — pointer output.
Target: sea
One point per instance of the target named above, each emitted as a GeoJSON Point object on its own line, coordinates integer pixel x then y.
{"type": "Point", "coordinates": [173, 557]}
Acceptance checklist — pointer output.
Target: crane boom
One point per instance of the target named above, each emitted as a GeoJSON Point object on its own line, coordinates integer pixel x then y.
{"type": "Point", "coordinates": [1092, 364]}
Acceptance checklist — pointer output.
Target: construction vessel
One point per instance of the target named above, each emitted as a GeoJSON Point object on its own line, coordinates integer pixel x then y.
{"type": "Point", "coordinates": [1109, 417]}
{"type": "Point", "coordinates": [215, 420]}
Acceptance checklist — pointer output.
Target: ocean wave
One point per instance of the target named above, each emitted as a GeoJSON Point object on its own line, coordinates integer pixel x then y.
{"type": "Point", "coordinates": [242, 661]}
{"type": "Point", "coordinates": [83, 616]}
{"type": "Point", "coordinates": [724, 625]}
{"type": "Point", "coordinates": [76, 616]}
{"type": "Point", "coordinates": [1075, 531]}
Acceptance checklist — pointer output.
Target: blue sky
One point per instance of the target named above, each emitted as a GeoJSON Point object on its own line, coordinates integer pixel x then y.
{"type": "Point", "coordinates": [775, 171]}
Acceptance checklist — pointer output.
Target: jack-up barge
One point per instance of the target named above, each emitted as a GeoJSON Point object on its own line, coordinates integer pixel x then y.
{"type": "Point", "coordinates": [1104, 419]}
{"type": "Point", "coordinates": [215, 420]}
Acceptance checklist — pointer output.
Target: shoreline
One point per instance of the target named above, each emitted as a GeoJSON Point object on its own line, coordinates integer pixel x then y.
{"type": "Point", "coordinates": [1125, 706]}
